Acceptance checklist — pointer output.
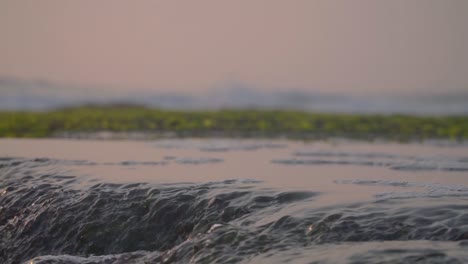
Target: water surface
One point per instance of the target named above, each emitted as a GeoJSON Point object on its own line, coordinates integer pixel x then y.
{"type": "Point", "coordinates": [231, 201]}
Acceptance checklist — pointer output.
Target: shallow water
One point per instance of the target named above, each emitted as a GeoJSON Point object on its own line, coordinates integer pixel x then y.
{"type": "Point", "coordinates": [230, 201]}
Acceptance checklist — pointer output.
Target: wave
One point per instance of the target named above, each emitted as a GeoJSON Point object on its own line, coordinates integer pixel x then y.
{"type": "Point", "coordinates": [46, 217]}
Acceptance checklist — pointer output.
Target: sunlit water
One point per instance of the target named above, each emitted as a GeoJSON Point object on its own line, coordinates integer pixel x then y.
{"type": "Point", "coordinates": [230, 201]}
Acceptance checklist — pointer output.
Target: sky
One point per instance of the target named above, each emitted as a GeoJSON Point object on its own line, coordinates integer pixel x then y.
{"type": "Point", "coordinates": [333, 46]}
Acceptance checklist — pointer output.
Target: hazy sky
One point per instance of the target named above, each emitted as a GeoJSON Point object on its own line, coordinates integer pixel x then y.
{"type": "Point", "coordinates": [328, 46]}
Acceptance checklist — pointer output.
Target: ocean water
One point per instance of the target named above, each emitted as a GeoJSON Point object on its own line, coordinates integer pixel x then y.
{"type": "Point", "coordinates": [232, 201]}
{"type": "Point", "coordinates": [18, 94]}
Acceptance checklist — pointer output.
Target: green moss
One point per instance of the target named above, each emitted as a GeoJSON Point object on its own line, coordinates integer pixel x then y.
{"type": "Point", "coordinates": [260, 123]}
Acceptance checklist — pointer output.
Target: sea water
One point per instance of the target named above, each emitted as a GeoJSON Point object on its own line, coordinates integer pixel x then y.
{"type": "Point", "coordinates": [232, 201]}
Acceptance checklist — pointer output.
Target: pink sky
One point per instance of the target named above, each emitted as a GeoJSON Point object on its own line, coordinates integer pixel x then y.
{"type": "Point", "coordinates": [347, 46]}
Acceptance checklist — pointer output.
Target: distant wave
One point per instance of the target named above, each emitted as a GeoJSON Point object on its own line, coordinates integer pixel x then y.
{"type": "Point", "coordinates": [42, 95]}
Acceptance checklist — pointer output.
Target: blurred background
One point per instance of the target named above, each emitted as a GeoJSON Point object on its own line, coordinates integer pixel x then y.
{"type": "Point", "coordinates": [363, 56]}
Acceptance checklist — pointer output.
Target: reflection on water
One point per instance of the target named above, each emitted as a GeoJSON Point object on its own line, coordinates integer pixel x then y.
{"type": "Point", "coordinates": [204, 201]}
